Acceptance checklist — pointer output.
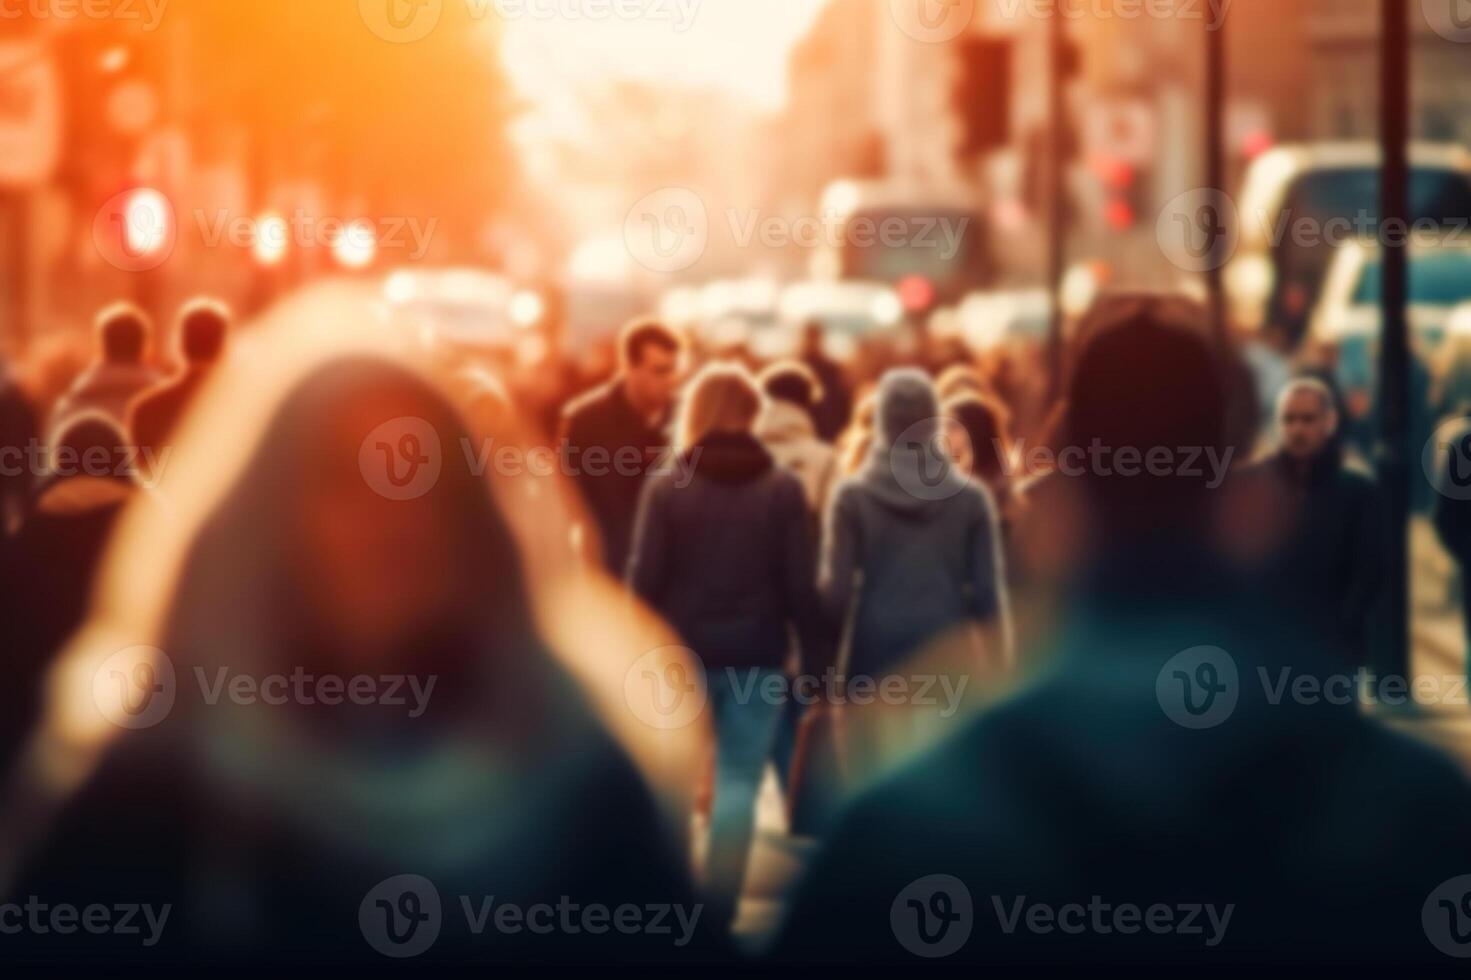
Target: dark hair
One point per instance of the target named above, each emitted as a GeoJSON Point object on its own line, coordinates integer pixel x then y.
{"type": "Point", "coordinates": [646, 333]}
{"type": "Point", "coordinates": [1148, 381]}
{"type": "Point", "coordinates": [986, 422]}
{"type": "Point", "coordinates": [792, 381]}
{"type": "Point", "coordinates": [203, 325]}
{"type": "Point", "coordinates": [85, 438]}
{"type": "Point", "coordinates": [122, 332]}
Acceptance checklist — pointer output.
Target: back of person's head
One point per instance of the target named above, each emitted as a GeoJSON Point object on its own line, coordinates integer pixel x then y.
{"type": "Point", "coordinates": [723, 398]}
{"type": "Point", "coordinates": [122, 333]}
{"type": "Point", "coordinates": [792, 382]}
{"type": "Point", "coordinates": [906, 405]}
{"type": "Point", "coordinates": [641, 335]}
{"type": "Point", "coordinates": [986, 423]}
{"type": "Point", "coordinates": [91, 444]}
{"type": "Point", "coordinates": [1150, 382]}
{"type": "Point", "coordinates": [204, 325]}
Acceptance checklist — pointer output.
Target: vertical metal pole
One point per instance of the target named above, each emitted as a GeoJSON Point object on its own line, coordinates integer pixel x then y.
{"type": "Point", "coordinates": [1394, 365]}
{"type": "Point", "coordinates": [15, 283]}
{"type": "Point", "coordinates": [1057, 194]}
{"type": "Point", "coordinates": [1215, 161]}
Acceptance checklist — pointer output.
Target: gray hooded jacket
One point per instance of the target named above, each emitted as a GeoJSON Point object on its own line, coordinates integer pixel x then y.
{"type": "Point", "coordinates": [921, 539]}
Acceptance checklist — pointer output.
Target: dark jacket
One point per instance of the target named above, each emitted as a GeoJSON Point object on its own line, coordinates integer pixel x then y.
{"type": "Point", "coordinates": [1331, 546]}
{"type": "Point", "coordinates": [625, 446]}
{"type": "Point", "coordinates": [1326, 832]}
{"type": "Point", "coordinates": [1453, 497]}
{"type": "Point", "coordinates": [46, 580]}
{"type": "Point", "coordinates": [156, 412]}
{"type": "Point", "coordinates": [924, 538]}
{"type": "Point", "coordinates": [727, 559]}
{"type": "Point", "coordinates": [832, 413]}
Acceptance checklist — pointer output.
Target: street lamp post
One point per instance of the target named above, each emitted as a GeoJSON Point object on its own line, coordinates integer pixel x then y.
{"type": "Point", "coordinates": [1057, 195]}
{"type": "Point", "coordinates": [1215, 161]}
{"type": "Point", "coordinates": [1394, 365]}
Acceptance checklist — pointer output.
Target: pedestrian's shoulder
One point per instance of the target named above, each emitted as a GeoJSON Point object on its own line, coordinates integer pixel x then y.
{"type": "Point", "coordinates": [787, 486]}
{"type": "Point", "coordinates": [1357, 476]}
{"type": "Point", "coordinates": [978, 497]}
{"type": "Point", "coordinates": [848, 491]}
{"type": "Point", "coordinates": [591, 400]}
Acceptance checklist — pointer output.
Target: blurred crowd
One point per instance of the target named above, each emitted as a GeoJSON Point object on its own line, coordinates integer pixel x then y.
{"type": "Point", "coordinates": [980, 574]}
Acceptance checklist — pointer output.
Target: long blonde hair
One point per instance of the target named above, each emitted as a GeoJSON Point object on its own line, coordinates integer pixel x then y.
{"type": "Point", "coordinates": [722, 397]}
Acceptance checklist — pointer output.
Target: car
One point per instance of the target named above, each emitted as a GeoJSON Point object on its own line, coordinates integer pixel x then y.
{"type": "Point", "coordinates": [1347, 322]}
{"type": "Point", "coordinates": [1275, 275]}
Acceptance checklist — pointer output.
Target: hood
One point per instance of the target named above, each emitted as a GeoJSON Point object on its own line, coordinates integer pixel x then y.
{"type": "Point", "coordinates": [907, 470]}
{"type": "Point", "coordinates": [729, 457]}
{"type": "Point", "coordinates": [785, 422]}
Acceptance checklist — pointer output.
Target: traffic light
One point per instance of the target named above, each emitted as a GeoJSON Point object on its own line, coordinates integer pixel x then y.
{"type": "Point", "coordinates": [982, 95]}
{"type": "Point", "coordinates": [1127, 188]}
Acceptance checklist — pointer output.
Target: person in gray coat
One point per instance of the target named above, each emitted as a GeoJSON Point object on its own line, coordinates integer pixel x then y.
{"type": "Point", "coordinates": [911, 551]}
{"type": "Point", "coordinates": [923, 538]}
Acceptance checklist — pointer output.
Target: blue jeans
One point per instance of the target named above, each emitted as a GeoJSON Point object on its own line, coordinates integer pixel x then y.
{"type": "Point", "coordinates": [746, 724]}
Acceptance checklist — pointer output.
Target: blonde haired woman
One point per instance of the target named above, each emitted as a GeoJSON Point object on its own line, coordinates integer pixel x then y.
{"type": "Point", "coordinates": [721, 549]}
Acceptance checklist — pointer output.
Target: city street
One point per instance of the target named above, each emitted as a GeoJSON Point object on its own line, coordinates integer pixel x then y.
{"type": "Point", "coordinates": [495, 483]}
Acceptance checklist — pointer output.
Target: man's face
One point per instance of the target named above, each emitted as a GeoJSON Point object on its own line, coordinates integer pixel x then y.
{"type": "Point", "coordinates": [1307, 424]}
{"type": "Point", "coordinates": [653, 379]}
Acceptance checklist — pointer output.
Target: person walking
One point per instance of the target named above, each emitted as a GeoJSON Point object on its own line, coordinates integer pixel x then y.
{"type": "Point", "coordinates": [926, 545]}
{"type": "Point", "coordinates": [612, 435]}
{"type": "Point", "coordinates": [836, 404]}
{"type": "Point", "coordinates": [978, 436]}
{"type": "Point", "coordinates": [119, 372]}
{"type": "Point", "coordinates": [1147, 764]}
{"type": "Point", "coordinates": [47, 572]}
{"type": "Point", "coordinates": [317, 822]}
{"type": "Point", "coordinates": [727, 560]}
{"type": "Point", "coordinates": [203, 328]}
{"type": "Point", "coordinates": [1314, 520]}
{"type": "Point", "coordinates": [787, 429]}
